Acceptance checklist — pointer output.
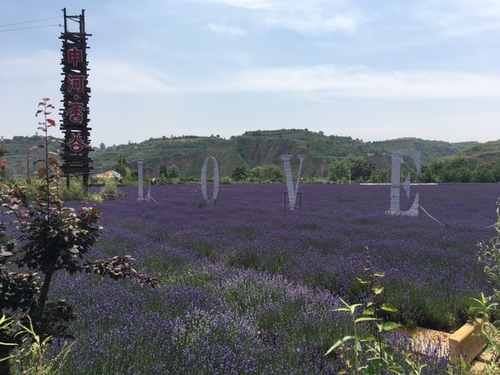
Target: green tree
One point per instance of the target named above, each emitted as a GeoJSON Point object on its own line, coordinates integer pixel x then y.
{"type": "Point", "coordinates": [380, 176]}
{"type": "Point", "coordinates": [339, 170]}
{"type": "Point", "coordinates": [163, 171]}
{"type": "Point", "coordinates": [122, 167]}
{"type": "Point", "coordinates": [481, 174]}
{"type": "Point", "coordinates": [272, 172]}
{"type": "Point", "coordinates": [495, 172]}
{"type": "Point", "coordinates": [267, 172]}
{"type": "Point", "coordinates": [173, 172]}
{"type": "Point", "coordinates": [425, 175]}
{"type": "Point", "coordinates": [52, 237]}
{"type": "Point", "coordinates": [487, 307]}
{"type": "Point", "coordinates": [362, 169]}
{"type": "Point", "coordinates": [255, 174]}
{"type": "Point", "coordinates": [436, 171]}
{"type": "Point", "coordinates": [459, 170]}
{"type": "Point", "coordinates": [240, 174]}
{"type": "Point", "coordinates": [453, 170]}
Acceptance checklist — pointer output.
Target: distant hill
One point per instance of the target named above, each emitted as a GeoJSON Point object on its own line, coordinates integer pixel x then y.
{"type": "Point", "coordinates": [430, 150]}
{"type": "Point", "coordinates": [256, 148]}
{"type": "Point", "coordinates": [483, 153]}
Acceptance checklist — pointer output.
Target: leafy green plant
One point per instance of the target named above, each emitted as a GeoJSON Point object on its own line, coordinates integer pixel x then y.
{"type": "Point", "coordinates": [489, 254]}
{"type": "Point", "coordinates": [123, 168]}
{"type": "Point", "coordinates": [6, 325]}
{"type": "Point", "coordinates": [370, 345]}
{"type": "Point", "coordinates": [94, 197]}
{"type": "Point", "coordinates": [31, 357]}
{"type": "Point", "coordinates": [75, 191]}
{"type": "Point", "coordinates": [486, 307]}
{"type": "Point", "coordinates": [52, 237]}
{"type": "Point", "coordinates": [109, 190]}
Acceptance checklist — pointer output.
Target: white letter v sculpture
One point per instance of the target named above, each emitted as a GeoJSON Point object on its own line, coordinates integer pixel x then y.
{"type": "Point", "coordinates": [292, 193]}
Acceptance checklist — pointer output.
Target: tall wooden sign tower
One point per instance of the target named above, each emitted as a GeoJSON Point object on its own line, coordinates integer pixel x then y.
{"type": "Point", "coordinates": [76, 95]}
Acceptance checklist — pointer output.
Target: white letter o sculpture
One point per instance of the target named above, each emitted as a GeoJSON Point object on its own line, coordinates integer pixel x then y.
{"type": "Point", "coordinates": [204, 180]}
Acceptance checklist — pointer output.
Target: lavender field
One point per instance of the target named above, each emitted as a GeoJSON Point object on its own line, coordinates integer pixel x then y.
{"type": "Point", "coordinates": [249, 287]}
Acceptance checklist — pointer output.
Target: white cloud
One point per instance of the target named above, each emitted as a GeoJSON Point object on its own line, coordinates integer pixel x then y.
{"type": "Point", "coordinates": [314, 23]}
{"type": "Point", "coordinates": [29, 63]}
{"type": "Point", "coordinates": [114, 76]}
{"type": "Point", "coordinates": [224, 30]}
{"type": "Point", "coordinates": [325, 81]}
{"type": "Point", "coordinates": [309, 17]}
{"type": "Point", "coordinates": [248, 4]}
{"type": "Point", "coordinates": [460, 18]}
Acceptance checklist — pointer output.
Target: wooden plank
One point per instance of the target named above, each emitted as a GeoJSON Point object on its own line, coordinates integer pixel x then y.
{"type": "Point", "coordinates": [467, 342]}
{"type": "Point", "coordinates": [423, 341]}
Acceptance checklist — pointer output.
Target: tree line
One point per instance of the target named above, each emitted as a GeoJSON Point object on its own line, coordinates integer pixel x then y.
{"type": "Point", "coordinates": [458, 170]}
{"type": "Point", "coordinates": [439, 171]}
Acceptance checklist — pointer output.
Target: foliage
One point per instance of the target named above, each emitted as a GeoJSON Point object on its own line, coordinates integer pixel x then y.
{"type": "Point", "coordinates": [31, 357]}
{"type": "Point", "coordinates": [53, 237]}
{"type": "Point", "coordinates": [5, 326]}
{"type": "Point", "coordinates": [362, 169]}
{"type": "Point", "coordinates": [50, 237]}
{"type": "Point", "coordinates": [119, 267]}
{"type": "Point", "coordinates": [381, 357]}
{"type": "Point", "coordinates": [486, 307]}
{"type": "Point", "coordinates": [459, 169]}
{"type": "Point", "coordinates": [430, 150]}
{"type": "Point", "coordinates": [240, 174]}
{"type": "Point", "coordinates": [489, 254]}
{"type": "Point", "coordinates": [109, 190]}
{"type": "Point", "coordinates": [173, 172]}
{"type": "Point", "coordinates": [358, 169]}
{"type": "Point", "coordinates": [163, 171]}
{"type": "Point", "coordinates": [268, 172]}
{"type": "Point", "coordinates": [74, 192]}
{"type": "Point", "coordinates": [258, 148]}
{"type": "Point", "coordinates": [339, 170]}
{"type": "Point", "coordinates": [122, 167]}
{"type": "Point", "coordinates": [3, 152]}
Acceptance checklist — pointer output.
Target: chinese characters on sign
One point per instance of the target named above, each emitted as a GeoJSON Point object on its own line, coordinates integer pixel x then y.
{"type": "Point", "coordinates": [76, 94]}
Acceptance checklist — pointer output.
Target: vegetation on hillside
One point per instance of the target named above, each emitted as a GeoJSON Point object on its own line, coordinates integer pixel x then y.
{"type": "Point", "coordinates": [328, 157]}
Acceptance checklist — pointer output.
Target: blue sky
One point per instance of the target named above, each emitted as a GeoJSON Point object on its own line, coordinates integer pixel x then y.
{"type": "Point", "coordinates": [372, 70]}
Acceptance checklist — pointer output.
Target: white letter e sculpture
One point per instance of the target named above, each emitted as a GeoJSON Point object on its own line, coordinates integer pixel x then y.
{"type": "Point", "coordinates": [396, 183]}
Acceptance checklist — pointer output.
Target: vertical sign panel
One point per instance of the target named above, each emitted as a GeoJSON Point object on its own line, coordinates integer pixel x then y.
{"type": "Point", "coordinates": [76, 94]}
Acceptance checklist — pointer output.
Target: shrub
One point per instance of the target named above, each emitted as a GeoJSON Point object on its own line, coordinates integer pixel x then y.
{"type": "Point", "coordinates": [50, 237]}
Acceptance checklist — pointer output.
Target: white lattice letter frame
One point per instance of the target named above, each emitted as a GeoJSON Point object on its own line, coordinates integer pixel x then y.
{"type": "Point", "coordinates": [395, 208]}
{"type": "Point", "coordinates": [292, 192]}
{"type": "Point", "coordinates": [204, 180]}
